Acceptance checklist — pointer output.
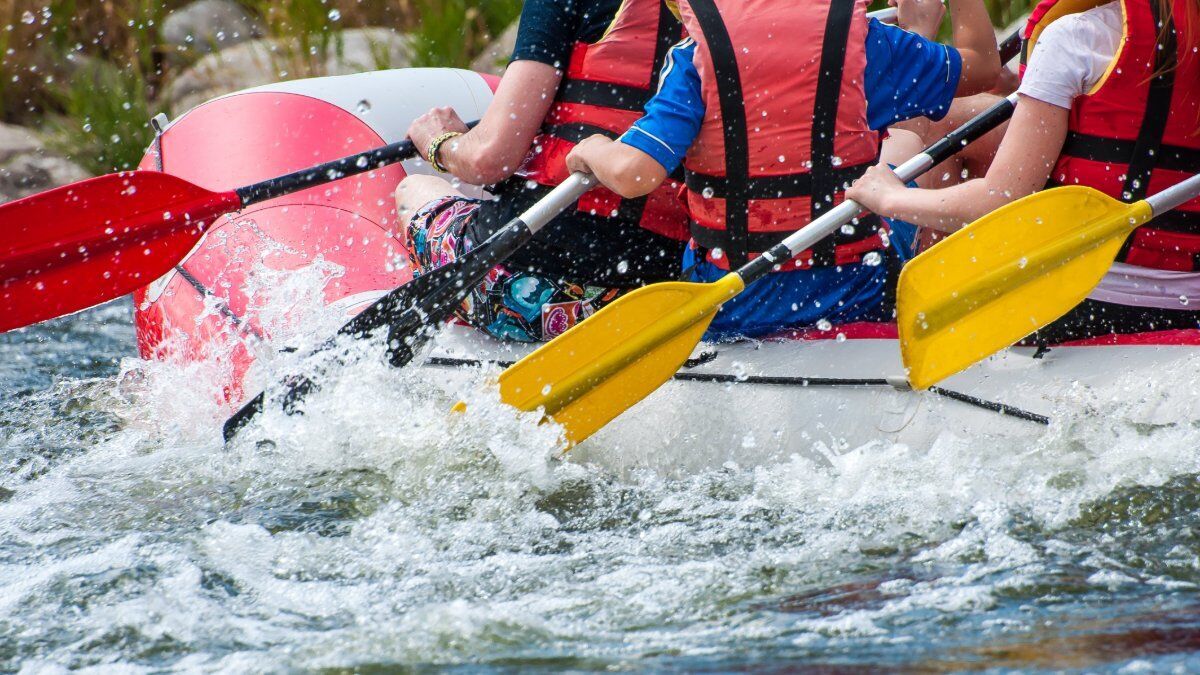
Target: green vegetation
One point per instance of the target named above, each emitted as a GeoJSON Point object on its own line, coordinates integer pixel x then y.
{"type": "Point", "coordinates": [452, 32]}
{"type": "Point", "coordinates": [90, 72]}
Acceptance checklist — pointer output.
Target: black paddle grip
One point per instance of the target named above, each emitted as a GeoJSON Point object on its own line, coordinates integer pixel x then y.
{"type": "Point", "coordinates": [410, 313]}
{"type": "Point", "coordinates": [956, 140]}
{"type": "Point", "coordinates": [330, 171]}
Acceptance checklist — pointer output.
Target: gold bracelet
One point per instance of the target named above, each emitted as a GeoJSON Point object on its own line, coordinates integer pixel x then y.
{"type": "Point", "coordinates": [435, 145]}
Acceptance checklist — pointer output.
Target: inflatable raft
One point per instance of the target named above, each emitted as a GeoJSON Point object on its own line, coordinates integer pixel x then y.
{"type": "Point", "coordinates": [257, 277]}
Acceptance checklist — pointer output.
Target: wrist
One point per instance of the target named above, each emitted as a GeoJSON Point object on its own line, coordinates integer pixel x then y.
{"type": "Point", "coordinates": [437, 149]}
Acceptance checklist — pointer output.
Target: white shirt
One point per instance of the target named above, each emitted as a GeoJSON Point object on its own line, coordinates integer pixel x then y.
{"type": "Point", "coordinates": [1071, 56]}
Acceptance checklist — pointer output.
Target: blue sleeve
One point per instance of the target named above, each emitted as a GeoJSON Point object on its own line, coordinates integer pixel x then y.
{"type": "Point", "coordinates": [674, 116]}
{"type": "Point", "coordinates": [907, 76]}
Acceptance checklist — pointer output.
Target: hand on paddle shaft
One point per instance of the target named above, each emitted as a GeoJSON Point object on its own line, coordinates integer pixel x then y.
{"type": "Point", "coordinates": [592, 373]}
{"type": "Point", "coordinates": [1012, 272]}
{"type": "Point", "coordinates": [412, 311]}
{"type": "Point", "coordinates": [86, 243]}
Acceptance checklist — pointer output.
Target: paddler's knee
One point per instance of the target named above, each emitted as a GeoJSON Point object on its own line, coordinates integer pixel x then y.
{"type": "Point", "coordinates": [418, 190]}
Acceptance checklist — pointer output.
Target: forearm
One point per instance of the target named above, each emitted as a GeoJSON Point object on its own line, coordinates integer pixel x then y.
{"type": "Point", "coordinates": [476, 158]}
{"type": "Point", "coordinates": [946, 209]}
{"type": "Point", "coordinates": [628, 171]}
{"type": "Point", "coordinates": [495, 149]}
{"type": "Point", "coordinates": [975, 40]}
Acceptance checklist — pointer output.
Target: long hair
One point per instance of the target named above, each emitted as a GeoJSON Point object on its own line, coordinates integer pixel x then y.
{"type": "Point", "coordinates": [1187, 28]}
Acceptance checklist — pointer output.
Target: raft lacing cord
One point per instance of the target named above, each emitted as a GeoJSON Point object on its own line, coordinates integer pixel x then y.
{"type": "Point", "coordinates": [159, 123]}
{"type": "Point", "coordinates": [724, 378]}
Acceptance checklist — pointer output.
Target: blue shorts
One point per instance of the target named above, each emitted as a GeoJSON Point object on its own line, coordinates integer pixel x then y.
{"type": "Point", "coordinates": [807, 298]}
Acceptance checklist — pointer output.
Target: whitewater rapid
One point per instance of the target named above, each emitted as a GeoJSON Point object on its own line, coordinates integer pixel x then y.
{"type": "Point", "coordinates": [378, 530]}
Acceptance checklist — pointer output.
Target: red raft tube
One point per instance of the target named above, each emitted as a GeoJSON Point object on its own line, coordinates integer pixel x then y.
{"type": "Point", "coordinates": [209, 308]}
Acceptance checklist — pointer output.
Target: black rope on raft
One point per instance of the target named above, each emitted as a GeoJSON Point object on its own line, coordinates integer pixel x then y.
{"type": "Point", "coordinates": [721, 378]}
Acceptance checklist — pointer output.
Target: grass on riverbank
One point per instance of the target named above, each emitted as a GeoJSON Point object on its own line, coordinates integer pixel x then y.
{"type": "Point", "coordinates": [89, 72]}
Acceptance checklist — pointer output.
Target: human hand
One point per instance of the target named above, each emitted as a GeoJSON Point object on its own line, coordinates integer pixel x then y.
{"type": "Point", "coordinates": [432, 124]}
{"type": "Point", "coordinates": [923, 17]}
{"type": "Point", "coordinates": [591, 152]}
{"type": "Point", "coordinates": [877, 189]}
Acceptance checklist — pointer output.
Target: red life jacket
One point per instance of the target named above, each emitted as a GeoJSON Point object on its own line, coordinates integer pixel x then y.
{"type": "Point", "coordinates": [1136, 133]}
{"type": "Point", "coordinates": [604, 90]}
{"type": "Point", "coordinates": [786, 126]}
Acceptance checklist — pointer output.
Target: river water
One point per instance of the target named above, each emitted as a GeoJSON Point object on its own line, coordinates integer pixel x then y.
{"type": "Point", "coordinates": [375, 534]}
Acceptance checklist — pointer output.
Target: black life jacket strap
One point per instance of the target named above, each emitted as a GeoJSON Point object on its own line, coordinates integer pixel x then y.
{"type": "Point", "coordinates": [621, 96]}
{"type": "Point", "coordinates": [772, 187]}
{"type": "Point", "coordinates": [1117, 151]}
{"type": "Point", "coordinates": [1154, 123]}
{"type": "Point", "coordinates": [825, 179]}
{"type": "Point", "coordinates": [737, 139]}
{"type": "Point", "coordinates": [604, 95]}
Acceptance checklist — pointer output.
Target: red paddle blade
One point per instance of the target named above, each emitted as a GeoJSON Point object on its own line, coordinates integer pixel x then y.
{"type": "Point", "coordinates": [83, 244]}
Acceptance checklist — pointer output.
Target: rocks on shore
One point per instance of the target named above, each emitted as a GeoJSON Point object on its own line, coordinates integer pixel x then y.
{"type": "Point", "coordinates": [27, 167]}
{"type": "Point", "coordinates": [494, 58]}
{"type": "Point", "coordinates": [207, 26]}
{"type": "Point", "coordinates": [260, 62]}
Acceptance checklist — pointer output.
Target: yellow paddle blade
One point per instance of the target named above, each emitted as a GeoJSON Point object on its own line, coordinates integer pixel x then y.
{"type": "Point", "coordinates": [1005, 276]}
{"type": "Point", "coordinates": [589, 375]}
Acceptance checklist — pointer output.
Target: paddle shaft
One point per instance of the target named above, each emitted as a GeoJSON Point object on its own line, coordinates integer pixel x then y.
{"type": "Point", "coordinates": [814, 232]}
{"type": "Point", "coordinates": [1175, 196]}
{"type": "Point", "coordinates": [330, 171]}
{"type": "Point", "coordinates": [426, 301]}
{"type": "Point", "coordinates": [403, 314]}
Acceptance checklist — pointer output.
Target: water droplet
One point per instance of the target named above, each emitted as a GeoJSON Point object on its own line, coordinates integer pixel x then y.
{"type": "Point", "coordinates": [739, 370]}
{"type": "Point", "coordinates": [1183, 300]}
{"type": "Point", "coordinates": [361, 162]}
{"type": "Point", "coordinates": [708, 193]}
{"type": "Point", "coordinates": [27, 17]}
{"type": "Point", "coordinates": [1022, 263]}
{"type": "Point", "coordinates": [546, 390]}
{"type": "Point", "coordinates": [848, 229]}
{"type": "Point", "coordinates": [872, 259]}
{"type": "Point", "coordinates": [623, 267]}
{"type": "Point", "coordinates": [363, 107]}
{"type": "Point", "coordinates": [824, 325]}
{"type": "Point", "coordinates": [335, 15]}
{"type": "Point", "coordinates": [841, 337]}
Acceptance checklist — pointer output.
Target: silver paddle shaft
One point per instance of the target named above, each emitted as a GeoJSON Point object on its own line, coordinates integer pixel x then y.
{"type": "Point", "coordinates": [1175, 196]}
{"type": "Point", "coordinates": [557, 201]}
{"type": "Point", "coordinates": [822, 227]}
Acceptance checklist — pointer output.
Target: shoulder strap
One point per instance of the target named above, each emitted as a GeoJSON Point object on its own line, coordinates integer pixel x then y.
{"type": "Point", "coordinates": [825, 114]}
{"type": "Point", "coordinates": [1148, 145]}
{"type": "Point", "coordinates": [737, 140]}
{"type": "Point", "coordinates": [1158, 109]}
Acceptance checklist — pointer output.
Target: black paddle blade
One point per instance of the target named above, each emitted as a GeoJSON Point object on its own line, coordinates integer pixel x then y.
{"type": "Point", "coordinates": [410, 313]}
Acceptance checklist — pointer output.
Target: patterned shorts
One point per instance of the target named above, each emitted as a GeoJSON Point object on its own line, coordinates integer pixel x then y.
{"type": "Point", "coordinates": [517, 306]}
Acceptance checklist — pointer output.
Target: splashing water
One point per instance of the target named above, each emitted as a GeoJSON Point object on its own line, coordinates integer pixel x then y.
{"type": "Point", "coordinates": [377, 530]}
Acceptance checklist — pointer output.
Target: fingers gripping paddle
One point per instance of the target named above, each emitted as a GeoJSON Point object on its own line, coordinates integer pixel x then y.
{"type": "Point", "coordinates": [83, 244]}
{"type": "Point", "coordinates": [411, 311]}
{"type": "Point", "coordinates": [1012, 272]}
{"type": "Point", "coordinates": [592, 373]}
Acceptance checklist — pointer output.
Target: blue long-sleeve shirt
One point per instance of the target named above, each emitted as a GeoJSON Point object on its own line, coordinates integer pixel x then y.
{"type": "Point", "coordinates": [907, 76]}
